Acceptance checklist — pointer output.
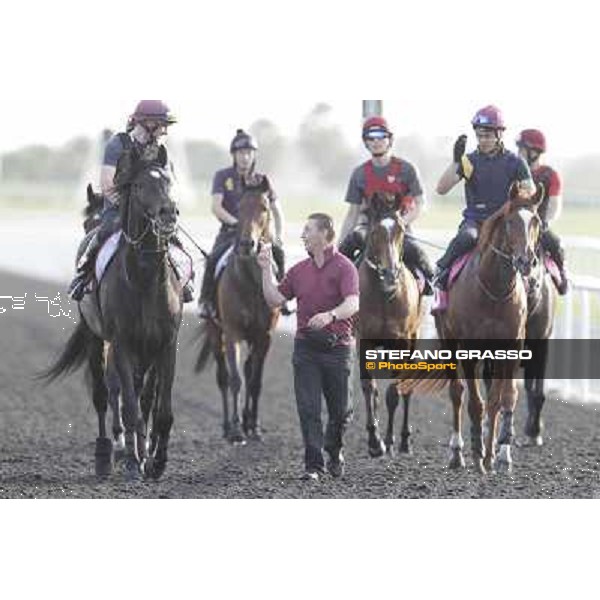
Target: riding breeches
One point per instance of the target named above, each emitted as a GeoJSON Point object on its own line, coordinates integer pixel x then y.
{"type": "Point", "coordinates": [464, 241]}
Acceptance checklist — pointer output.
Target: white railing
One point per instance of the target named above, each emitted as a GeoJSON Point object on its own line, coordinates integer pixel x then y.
{"type": "Point", "coordinates": [576, 321]}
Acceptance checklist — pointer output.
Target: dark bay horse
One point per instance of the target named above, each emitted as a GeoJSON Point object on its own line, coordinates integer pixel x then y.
{"type": "Point", "coordinates": [390, 308]}
{"type": "Point", "coordinates": [137, 308]}
{"type": "Point", "coordinates": [488, 301]}
{"type": "Point", "coordinates": [243, 316]}
{"type": "Point", "coordinates": [540, 320]}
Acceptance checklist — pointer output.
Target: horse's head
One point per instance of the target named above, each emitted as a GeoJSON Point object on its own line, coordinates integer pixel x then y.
{"type": "Point", "coordinates": [513, 231]}
{"type": "Point", "coordinates": [150, 206]}
{"type": "Point", "coordinates": [384, 240]}
{"type": "Point", "coordinates": [93, 209]}
{"type": "Point", "coordinates": [254, 215]}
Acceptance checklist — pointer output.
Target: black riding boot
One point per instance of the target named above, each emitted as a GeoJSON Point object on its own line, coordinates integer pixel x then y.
{"type": "Point", "coordinates": [463, 242]}
{"type": "Point", "coordinates": [188, 288]}
{"type": "Point", "coordinates": [551, 243]}
{"type": "Point", "coordinates": [206, 302]}
{"type": "Point", "coordinates": [85, 266]}
{"type": "Point", "coordinates": [352, 246]}
{"type": "Point", "coordinates": [415, 258]}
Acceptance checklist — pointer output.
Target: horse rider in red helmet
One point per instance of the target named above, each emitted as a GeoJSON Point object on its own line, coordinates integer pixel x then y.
{"type": "Point", "coordinates": [532, 144]}
{"type": "Point", "coordinates": [143, 141]}
{"type": "Point", "coordinates": [384, 173]}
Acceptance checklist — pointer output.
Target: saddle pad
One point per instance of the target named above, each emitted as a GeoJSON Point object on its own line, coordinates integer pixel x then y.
{"type": "Point", "coordinates": [457, 267]}
{"type": "Point", "coordinates": [181, 261]}
{"type": "Point", "coordinates": [222, 263]}
{"type": "Point", "coordinates": [106, 253]}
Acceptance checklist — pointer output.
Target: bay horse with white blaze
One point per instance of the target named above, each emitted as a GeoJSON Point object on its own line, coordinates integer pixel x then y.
{"type": "Point", "coordinates": [243, 316]}
{"type": "Point", "coordinates": [390, 308]}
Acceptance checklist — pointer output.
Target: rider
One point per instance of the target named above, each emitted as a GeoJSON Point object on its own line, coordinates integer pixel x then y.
{"type": "Point", "coordinates": [532, 144]}
{"type": "Point", "coordinates": [227, 191]}
{"type": "Point", "coordinates": [384, 173]}
{"type": "Point", "coordinates": [489, 173]}
{"type": "Point", "coordinates": [142, 141]}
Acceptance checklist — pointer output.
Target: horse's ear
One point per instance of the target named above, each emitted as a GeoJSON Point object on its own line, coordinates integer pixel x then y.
{"type": "Point", "coordinates": [90, 194]}
{"type": "Point", "coordinates": [513, 191]}
{"type": "Point", "coordinates": [265, 185]}
{"type": "Point", "coordinates": [163, 159]}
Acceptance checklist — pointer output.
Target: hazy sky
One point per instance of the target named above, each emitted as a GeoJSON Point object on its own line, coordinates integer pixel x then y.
{"type": "Point", "coordinates": [74, 68]}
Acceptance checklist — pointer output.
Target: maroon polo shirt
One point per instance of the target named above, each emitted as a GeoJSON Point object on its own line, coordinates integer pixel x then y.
{"type": "Point", "coordinates": [320, 290]}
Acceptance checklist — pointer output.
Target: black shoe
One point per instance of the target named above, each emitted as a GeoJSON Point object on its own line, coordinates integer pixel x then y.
{"type": "Point", "coordinates": [336, 465]}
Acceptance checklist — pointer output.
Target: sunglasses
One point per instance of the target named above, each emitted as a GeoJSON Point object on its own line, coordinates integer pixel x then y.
{"type": "Point", "coordinates": [376, 135]}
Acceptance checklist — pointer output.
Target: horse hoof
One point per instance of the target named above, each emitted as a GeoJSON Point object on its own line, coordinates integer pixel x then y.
{"type": "Point", "coordinates": [103, 456]}
{"type": "Point", "coordinates": [389, 449]}
{"type": "Point", "coordinates": [132, 470]}
{"type": "Point", "coordinates": [377, 451]}
{"type": "Point", "coordinates": [154, 468]}
{"type": "Point", "coordinates": [405, 447]}
{"type": "Point", "coordinates": [457, 461]}
{"type": "Point", "coordinates": [255, 435]}
{"type": "Point", "coordinates": [237, 438]}
{"type": "Point", "coordinates": [535, 441]}
{"type": "Point", "coordinates": [504, 467]}
{"type": "Point", "coordinates": [479, 466]}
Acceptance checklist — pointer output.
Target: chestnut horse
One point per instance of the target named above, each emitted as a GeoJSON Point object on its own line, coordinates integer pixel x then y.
{"type": "Point", "coordinates": [390, 308]}
{"type": "Point", "coordinates": [488, 301]}
{"type": "Point", "coordinates": [243, 316]}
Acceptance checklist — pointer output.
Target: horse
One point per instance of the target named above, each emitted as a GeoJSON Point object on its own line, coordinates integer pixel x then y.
{"type": "Point", "coordinates": [390, 308]}
{"type": "Point", "coordinates": [243, 316]}
{"type": "Point", "coordinates": [488, 301]}
{"type": "Point", "coordinates": [540, 320]}
{"type": "Point", "coordinates": [137, 309]}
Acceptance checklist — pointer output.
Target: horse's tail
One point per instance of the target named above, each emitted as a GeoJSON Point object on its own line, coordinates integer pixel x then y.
{"type": "Point", "coordinates": [73, 356]}
{"type": "Point", "coordinates": [209, 338]}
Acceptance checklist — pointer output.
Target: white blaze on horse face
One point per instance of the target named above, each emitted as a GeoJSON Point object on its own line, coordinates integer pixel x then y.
{"type": "Point", "coordinates": [388, 224]}
{"type": "Point", "coordinates": [526, 216]}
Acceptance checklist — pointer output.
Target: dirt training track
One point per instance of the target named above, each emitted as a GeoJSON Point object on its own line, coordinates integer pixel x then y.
{"type": "Point", "coordinates": [47, 434]}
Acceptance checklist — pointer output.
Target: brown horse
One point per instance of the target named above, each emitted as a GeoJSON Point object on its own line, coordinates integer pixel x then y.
{"type": "Point", "coordinates": [243, 316]}
{"type": "Point", "coordinates": [488, 301]}
{"type": "Point", "coordinates": [540, 320]}
{"type": "Point", "coordinates": [390, 308]}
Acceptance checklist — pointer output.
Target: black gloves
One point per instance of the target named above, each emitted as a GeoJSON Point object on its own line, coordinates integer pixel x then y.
{"type": "Point", "coordinates": [459, 148]}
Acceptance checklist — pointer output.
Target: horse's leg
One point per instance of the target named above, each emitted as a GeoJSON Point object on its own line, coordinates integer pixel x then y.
{"type": "Point", "coordinates": [223, 384]}
{"type": "Point", "coordinates": [405, 445]}
{"type": "Point", "coordinates": [507, 429]}
{"type": "Point", "coordinates": [111, 378]}
{"type": "Point", "coordinates": [162, 417]}
{"type": "Point", "coordinates": [147, 401]}
{"type": "Point", "coordinates": [103, 453]}
{"type": "Point", "coordinates": [494, 404]}
{"type": "Point", "coordinates": [457, 389]}
{"type": "Point", "coordinates": [371, 394]}
{"type": "Point", "coordinates": [260, 350]}
{"type": "Point", "coordinates": [534, 385]}
{"type": "Point", "coordinates": [246, 413]}
{"type": "Point", "coordinates": [125, 368]}
{"type": "Point", "coordinates": [475, 404]}
{"type": "Point", "coordinates": [236, 435]}
{"type": "Point", "coordinates": [391, 401]}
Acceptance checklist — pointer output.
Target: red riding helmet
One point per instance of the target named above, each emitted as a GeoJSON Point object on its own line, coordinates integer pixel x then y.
{"type": "Point", "coordinates": [532, 138]}
{"type": "Point", "coordinates": [489, 117]}
{"type": "Point", "coordinates": [376, 124]}
{"type": "Point", "coordinates": [153, 109]}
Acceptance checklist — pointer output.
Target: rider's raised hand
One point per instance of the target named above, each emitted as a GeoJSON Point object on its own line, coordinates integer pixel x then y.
{"type": "Point", "coordinates": [460, 146]}
{"type": "Point", "coordinates": [265, 257]}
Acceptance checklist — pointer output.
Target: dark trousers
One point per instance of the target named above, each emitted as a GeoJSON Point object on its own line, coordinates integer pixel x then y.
{"type": "Point", "coordinates": [319, 373]}
{"type": "Point", "coordinates": [551, 243]}
{"type": "Point", "coordinates": [465, 240]}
